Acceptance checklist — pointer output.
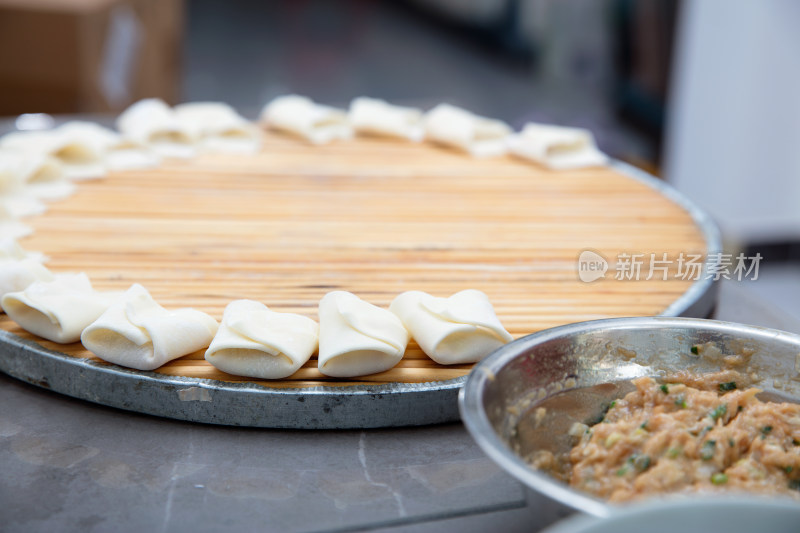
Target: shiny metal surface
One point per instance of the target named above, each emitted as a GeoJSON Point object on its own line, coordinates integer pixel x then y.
{"type": "Point", "coordinates": [574, 370]}
{"type": "Point", "coordinates": [233, 404]}
{"type": "Point", "coordinates": [736, 514]}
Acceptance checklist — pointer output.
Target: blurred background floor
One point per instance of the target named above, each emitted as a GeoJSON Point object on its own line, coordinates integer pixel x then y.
{"type": "Point", "coordinates": [248, 52]}
{"type": "Point", "coordinates": [779, 286]}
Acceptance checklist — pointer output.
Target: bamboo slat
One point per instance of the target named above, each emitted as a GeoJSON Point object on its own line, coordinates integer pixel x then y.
{"type": "Point", "coordinates": [373, 217]}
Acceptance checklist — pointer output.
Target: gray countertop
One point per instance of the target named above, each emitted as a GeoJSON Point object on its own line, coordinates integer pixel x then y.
{"type": "Point", "coordinates": [69, 465]}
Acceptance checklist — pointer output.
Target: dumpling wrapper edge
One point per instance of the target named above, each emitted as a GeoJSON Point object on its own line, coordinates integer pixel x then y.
{"type": "Point", "coordinates": [57, 310]}
{"type": "Point", "coordinates": [137, 332]}
{"type": "Point", "coordinates": [358, 338]}
{"type": "Point", "coordinates": [456, 330]}
{"type": "Point", "coordinates": [256, 341]}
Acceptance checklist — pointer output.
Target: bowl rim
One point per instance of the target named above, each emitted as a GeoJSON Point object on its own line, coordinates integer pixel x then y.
{"type": "Point", "coordinates": [656, 508]}
{"type": "Point", "coordinates": [477, 422]}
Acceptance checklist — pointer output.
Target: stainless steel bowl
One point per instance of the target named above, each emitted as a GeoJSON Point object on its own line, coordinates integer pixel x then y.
{"type": "Point", "coordinates": [573, 371]}
{"type": "Point", "coordinates": [733, 514]}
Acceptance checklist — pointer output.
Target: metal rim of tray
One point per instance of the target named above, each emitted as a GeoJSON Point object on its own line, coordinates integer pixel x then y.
{"type": "Point", "coordinates": [324, 407]}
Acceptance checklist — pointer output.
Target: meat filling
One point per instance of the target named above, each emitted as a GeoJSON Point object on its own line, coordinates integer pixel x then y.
{"type": "Point", "coordinates": [672, 437]}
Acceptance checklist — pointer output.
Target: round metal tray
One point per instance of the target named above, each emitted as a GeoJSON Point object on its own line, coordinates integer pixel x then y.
{"type": "Point", "coordinates": [327, 407]}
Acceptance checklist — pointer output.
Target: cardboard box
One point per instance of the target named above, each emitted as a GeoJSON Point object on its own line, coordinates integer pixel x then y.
{"type": "Point", "coordinates": [70, 56]}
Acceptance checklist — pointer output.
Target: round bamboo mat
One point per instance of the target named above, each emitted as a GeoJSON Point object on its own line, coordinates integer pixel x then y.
{"type": "Point", "coordinates": [374, 217]}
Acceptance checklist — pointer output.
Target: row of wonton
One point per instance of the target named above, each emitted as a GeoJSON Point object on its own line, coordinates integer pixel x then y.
{"type": "Point", "coordinates": [131, 329]}
{"type": "Point", "coordinates": [40, 165]}
{"type": "Point", "coordinates": [353, 337]}
{"type": "Point", "coordinates": [150, 130]}
{"type": "Point", "coordinates": [37, 165]}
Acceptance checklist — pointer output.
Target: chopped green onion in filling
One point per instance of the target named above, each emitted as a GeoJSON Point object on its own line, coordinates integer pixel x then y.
{"type": "Point", "coordinates": [707, 451]}
{"type": "Point", "coordinates": [719, 478]}
{"type": "Point", "coordinates": [719, 411]}
{"type": "Point", "coordinates": [680, 401]}
{"type": "Point", "coordinates": [672, 453]}
{"type": "Point", "coordinates": [642, 462]}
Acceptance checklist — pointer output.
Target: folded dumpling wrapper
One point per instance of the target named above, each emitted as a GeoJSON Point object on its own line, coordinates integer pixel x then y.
{"type": "Point", "coordinates": [456, 330]}
{"type": "Point", "coordinates": [17, 205]}
{"type": "Point", "coordinates": [319, 124]}
{"type": "Point", "coordinates": [46, 178]}
{"type": "Point", "coordinates": [26, 177]}
{"type": "Point", "coordinates": [17, 274]}
{"type": "Point", "coordinates": [119, 152]}
{"type": "Point", "coordinates": [152, 123]}
{"type": "Point", "coordinates": [376, 117]}
{"type": "Point", "coordinates": [34, 174]}
{"type": "Point", "coordinates": [57, 310]}
{"type": "Point", "coordinates": [257, 342]}
{"type": "Point", "coordinates": [11, 180]}
{"type": "Point", "coordinates": [357, 338]}
{"type": "Point", "coordinates": [10, 249]}
{"type": "Point", "coordinates": [10, 226]}
{"type": "Point", "coordinates": [219, 128]}
{"type": "Point", "coordinates": [474, 134]}
{"type": "Point", "coordinates": [138, 333]}
{"type": "Point", "coordinates": [80, 156]}
{"type": "Point", "coordinates": [557, 147]}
